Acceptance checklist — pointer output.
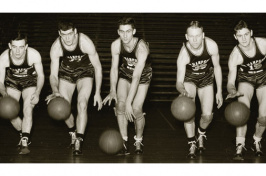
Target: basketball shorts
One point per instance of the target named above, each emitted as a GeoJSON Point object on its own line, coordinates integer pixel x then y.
{"type": "Point", "coordinates": [21, 83]}
{"type": "Point", "coordinates": [257, 80]}
{"type": "Point", "coordinates": [201, 80]}
{"type": "Point", "coordinates": [73, 75]}
{"type": "Point", "coordinates": [145, 77]}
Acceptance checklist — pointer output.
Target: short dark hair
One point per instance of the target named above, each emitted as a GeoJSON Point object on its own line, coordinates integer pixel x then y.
{"type": "Point", "coordinates": [240, 25]}
{"type": "Point", "coordinates": [195, 24]}
{"type": "Point", "coordinates": [127, 20]}
{"type": "Point", "coordinates": [18, 36]}
{"type": "Point", "coordinates": [65, 25]}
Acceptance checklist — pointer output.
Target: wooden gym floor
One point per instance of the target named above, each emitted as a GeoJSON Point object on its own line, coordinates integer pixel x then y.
{"type": "Point", "coordinates": [164, 139]}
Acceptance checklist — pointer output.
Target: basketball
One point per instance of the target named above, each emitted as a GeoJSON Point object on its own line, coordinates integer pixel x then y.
{"type": "Point", "coordinates": [59, 109]}
{"type": "Point", "coordinates": [9, 108]}
{"type": "Point", "coordinates": [111, 141]}
{"type": "Point", "coordinates": [183, 108]}
{"type": "Point", "coordinates": [237, 113]}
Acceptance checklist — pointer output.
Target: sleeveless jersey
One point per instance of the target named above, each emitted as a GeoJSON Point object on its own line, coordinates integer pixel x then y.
{"type": "Point", "coordinates": [252, 65]}
{"type": "Point", "coordinates": [74, 59]}
{"type": "Point", "coordinates": [20, 72]}
{"type": "Point", "coordinates": [129, 59]}
{"type": "Point", "coordinates": [198, 65]}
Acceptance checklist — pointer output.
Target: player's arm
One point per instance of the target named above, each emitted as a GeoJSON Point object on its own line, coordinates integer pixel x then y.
{"type": "Point", "coordinates": [214, 51]}
{"type": "Point", "coordinates": [39, 70]}
{"type": "Point", "coordinates": [235, 59]}
{"type": "Point", "coordinates": [115, 51]}
{"type": "Point", "coordinates": [182, 61]}
{"type": "Point", "coordinates": [141, 54]}
{"type": "Point", "coordinates": [88, 47]}
{"type": "Point", "coordinates": [55, 54]}
{"type": "Point", "coordinates": [3, 64]}
{"type": "Point", "coordinates": [261, 44]}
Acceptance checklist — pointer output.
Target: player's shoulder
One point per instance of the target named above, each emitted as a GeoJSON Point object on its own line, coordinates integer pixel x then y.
{"type": "Point", "coordinates": [261, 41]}
{"type": "Point", "coordinates": [33, 51]}
{"type": "Point", "coordinates": [83, 36]}
{"type": "Point", "coordinates": [235, 53]}
{"type": "Point", "coordinates": [116, 43]}
{"type": "Point", "coordinates": [5, 53]}
{"type": "Point", "coordinates": [210, 42]}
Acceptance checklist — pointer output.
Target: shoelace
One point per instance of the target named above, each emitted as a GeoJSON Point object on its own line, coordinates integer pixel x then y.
{"type": "Point", "coordinates": [239, 148]}
{"type": "Point", "coordinates": [257, 145]}
{"type": "Point", "coordinates": [192, 146]}
{"type": "Point", "coordinates": [138, 142]}
{"type": "Point", "coordinates": [23, 141]}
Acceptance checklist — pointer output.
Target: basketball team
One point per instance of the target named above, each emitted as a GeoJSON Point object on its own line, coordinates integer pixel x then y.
{"type": "Point", "coordinates": [75, 64]}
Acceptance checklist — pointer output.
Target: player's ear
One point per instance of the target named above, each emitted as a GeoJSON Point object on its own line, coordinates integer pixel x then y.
{"type": "Point", "coordinates": [59, 32]}
{"type": "Point", "coordinates": [235, 36]}
{"type": "Point", "coordinates": [203, 35]}
{"type": "Point", "coordinates": [251, 33]}
{"type": "Point", "coordinates": [186, 36]}
{"type": "Point", "coordinates": [75, 31]}
{"type": "Point", "coordinates": [118, 31]}
{"type": "Point", "coordinates": [134, 31]}
{"type": "Point", "coordinates": [26, 46]}
{"type": "Point", "coordinates": [9, 45]}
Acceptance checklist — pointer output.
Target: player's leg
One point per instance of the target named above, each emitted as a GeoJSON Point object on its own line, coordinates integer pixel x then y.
{"type": "Point", "coordinates": [206, 97]}
{"type": "Point", "coordinates": [140, 119]}
{"type": "Point", "coordinates": [84, 87]}
{"type": "Point", "coordinates": [17, 122]}
{"type": "Point", "coordinates": [248, 91]}
{"type": "Point", "coordinates": [261, 121]}
{"type": "Point", "coordinates": [27, 119]}
{"type": "Point", "coordinates": [122, 92]}
{"type": "Point", "coordinates": [190, 125]}
{"type": "Point", "coordinates": [67, 89]}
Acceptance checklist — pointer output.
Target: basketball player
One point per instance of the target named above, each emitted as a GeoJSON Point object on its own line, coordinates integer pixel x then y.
{"type": "Point", "coordinates": [249, 56]}
{"type": "Point", "coordinates": [21, 73]}
{"type": "Point", "coordinates": [197, 65]}
{"type": "Point", "coordinates": [74, 63]}
{"type": "Point", "coordinates": [132, 79]}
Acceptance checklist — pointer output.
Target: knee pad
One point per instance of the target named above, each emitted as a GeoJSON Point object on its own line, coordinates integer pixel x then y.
{"type": "Point", "coordinates": [120, 108]}
{"type": "Point", "coordinates": [138, 114]}
{"type": "Point", "coordinates": [261, 121]}
{"type": "Point", "coordinates": [207, 118]}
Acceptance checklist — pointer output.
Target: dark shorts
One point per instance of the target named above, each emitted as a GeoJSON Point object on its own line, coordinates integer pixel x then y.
{"type": "Point", "coordinates": [73, 75]}
{"type": "Point", "coordinates": [145, 77]}
{"type": "Point", "coordinates": [21, 83]}
{"type": "Point", "coordinates": [257, 80]}
{"type": "Point", "coordinates": [201, 80]}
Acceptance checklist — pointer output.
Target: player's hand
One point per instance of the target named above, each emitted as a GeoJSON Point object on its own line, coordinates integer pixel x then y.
{"type": "Point", "coordinates": [219, 100]}
{"type": "Point", "coordinates": [34, 98]}
{"type": "Point", "coordinates": [52, 96]}
{"type": "Point", "coordinates": [98, 99]}
{"type": "Point", "coordinates": [129, 113]}
{"type": "Point", "coordinates": [234, 94]}
{"type": "Point", "coordinates": [111, 96]}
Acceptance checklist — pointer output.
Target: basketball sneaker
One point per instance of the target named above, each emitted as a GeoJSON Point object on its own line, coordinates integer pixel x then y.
{"type": "Point", "coordinates": [124, 151]}
{"type": "Point", "coordinates": [139, 147]}
{"type": "Point", "coordinates": [192, 150]}
{"type": "Point", "coordinates": [73, 139]}
{"type": "Point", "coordinates": [23, 146]}
{"type": "Point", "coordinates": [239, 152]}
{"type": "Point", "coordinates": [200, 140]}
{"type": "Point", "coordinates": [78, 146]}
{"type": "Point", "coordinates": [257, 148]}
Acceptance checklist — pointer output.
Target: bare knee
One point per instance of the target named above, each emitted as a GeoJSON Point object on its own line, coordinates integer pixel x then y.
{"type": "Point", "coordinates": [138, 114]}
{"type": "Point", "coordinates": [120, 108]}
{"type": "Point", "coordinates": [82, 105]}
{"type": "Point", "coordinates": [262, 120]}
{"type": "Point", "coordinates": [206, 118]}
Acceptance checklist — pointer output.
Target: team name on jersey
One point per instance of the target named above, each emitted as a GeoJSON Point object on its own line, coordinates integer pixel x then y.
{"type": "Point", "coordinates": [255, 65]}
{"type": "Point", "coordinates": [199, 65]}
{"type": "Point", "coordinates": [131, 63]}
{"type": "Point", "coordinates": [75, 58]}
{"type": "Point", "coordinates": [21, 72]}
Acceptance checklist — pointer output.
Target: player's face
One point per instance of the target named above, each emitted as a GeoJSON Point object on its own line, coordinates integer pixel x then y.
{"type": "Point", "coordinates": [195, 37]}
{"type": "Point", "coordinates": [68, 36]}
{"type": "Point", "coordinates": [243, 36]}
{"type": "Point", "coordinates": [126, 33]}
{"type": "Point", "coordinates": [18, 48]}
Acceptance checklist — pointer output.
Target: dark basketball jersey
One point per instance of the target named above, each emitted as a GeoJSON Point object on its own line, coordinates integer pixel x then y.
{"type": "Point", "coordinates": [74, 59]}
{"type": "Point", "coordinates": [129, 59]}
{"type": "Point", "coordinates": [20, 72]}
{"type": "Point", "coordinates": [252, 65]}
{"type": "Point", "coordinates": [198, 65]}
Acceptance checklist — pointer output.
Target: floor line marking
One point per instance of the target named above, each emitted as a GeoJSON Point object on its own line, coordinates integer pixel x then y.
{"type": "Point", "coordinates": [166, 119]}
